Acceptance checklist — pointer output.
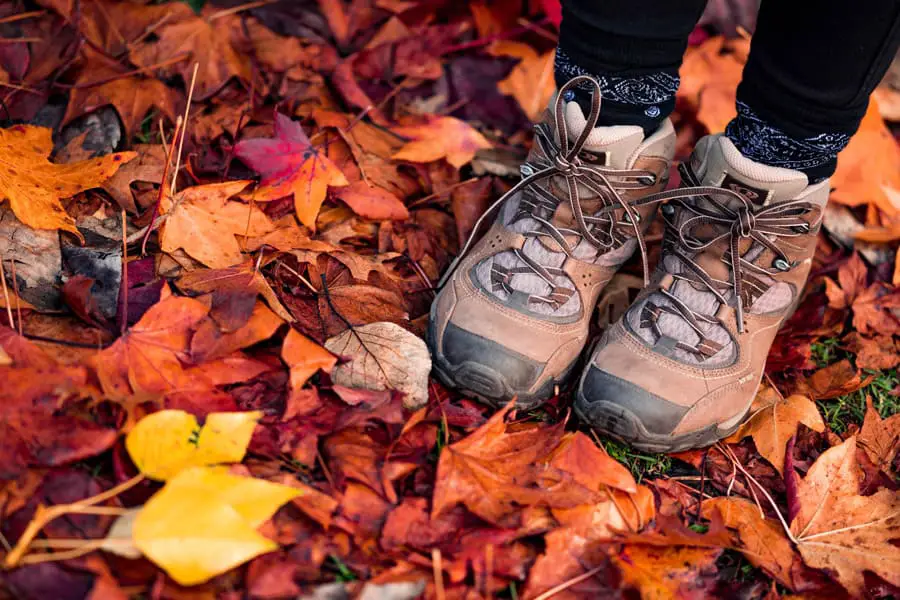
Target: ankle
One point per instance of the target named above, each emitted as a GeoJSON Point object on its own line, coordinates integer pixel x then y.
{"type": "Point", "coordinates": [763, 142]}
{"type": "Point", "coordinates": [645, 100]}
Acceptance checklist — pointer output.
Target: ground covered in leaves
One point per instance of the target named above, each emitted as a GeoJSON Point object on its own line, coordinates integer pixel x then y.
{"type": "Point", "coordinates": [221, 225]}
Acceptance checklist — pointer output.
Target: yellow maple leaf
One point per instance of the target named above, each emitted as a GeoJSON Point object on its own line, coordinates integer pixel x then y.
{"type": "Point", "coordinates": [34, 185]}
{"type": "Point", "coordinates": [203, 522]}
{"type": "Point", "coordinates": [166, 442]}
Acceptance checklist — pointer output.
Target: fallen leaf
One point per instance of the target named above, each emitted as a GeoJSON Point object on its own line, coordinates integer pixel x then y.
{"type": "Point", "coordinates": [383, 356]}
{"type": "Point", "coordinates": [880, 438]}
{"type": "Point", "coordinates": [118, 539]}
{"type": "Point", "coordinates": [772, 426]}
{"type": "Point", "coordinates": [496, 471]}
{"type": "Point", "coordinates": [868, 168]}
{"type": "Point", "coordinates": [667, 572]}
{"type": "Point", "coordinates": [169, 441]}
{"type": "Point", "coordinates": [372, 202]}
{"type": "Point", "coordinates": [291, 166]}
{"type": "Point", "coordinates": [852, 279]}
{"type": "Point", "coordinates": [147, 360]}
{"type": "Point", "coordinates": [762, 540]}
{"type": "Point", "coordinates": [709, 74]}
{"type": "Point", "coordinates": [204, 521]}
{"type": "Point", "coordinates": [304, 357]}
{"type": "Point", "coordinates": [34, 186]}
{"type": "Point", "coordinates": [147, 167]}
{"type": "Point", "coordinates": [210, 342]}
{"type": "Point", "coordinates": [203, 40]}
{"type": "Point", "coordinates": [440, 137]}
{"type": "Point", "coordinates": [838, 530]}
{"type": "Point", "coordinates": [531, 82]}
{"type": "Point", "coordinates": [244, 278]}
{"type": "Point", "coordinates": [203, 222]}
{"type": "Point", "coordinates": [133, 97]}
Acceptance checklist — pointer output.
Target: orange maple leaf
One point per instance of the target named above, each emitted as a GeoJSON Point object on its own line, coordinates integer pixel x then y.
{"type": "Point", "coordinates": [440, 137]}
{"type": "Point", "coordinates": [868, 170]}
{"type": "Point", "coordinates": [203, 222]}
{"type": "Point", "coordinates": [205, 40]}
{"type": "Point", "coordinates": [33, 185]}
{"type": "Point", "coordinates": [531, 82]}
{"type": "Point", "coordinates": [291, 166]}
{"type": "Point", "coordinates": [147, 360]}
{"type": "Point", "coordinates": [709, 77]}
{"type": "Point", "coordinates": [100, 84]}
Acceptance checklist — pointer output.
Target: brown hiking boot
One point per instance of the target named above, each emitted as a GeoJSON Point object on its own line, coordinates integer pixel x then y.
{"type": "Point", "coordinates": [681, 367]}
{"type": "Point", "coordinates": [512, 316]}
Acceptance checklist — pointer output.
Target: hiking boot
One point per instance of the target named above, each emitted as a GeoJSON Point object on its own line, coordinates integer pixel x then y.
{"type": "Point", "coordinates": [681, 367]}
{"type": "Point", "coordinates": [513, 312]}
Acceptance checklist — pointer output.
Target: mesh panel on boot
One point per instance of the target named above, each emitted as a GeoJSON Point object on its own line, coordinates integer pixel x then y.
{"type": "Point", "coordinates": [534, 249]}
{"type": "Point", "coordinates": [675, 327]}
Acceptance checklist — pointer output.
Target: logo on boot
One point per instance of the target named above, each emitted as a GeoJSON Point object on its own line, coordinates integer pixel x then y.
{"type": "Point", "coordinates": [755, 195]}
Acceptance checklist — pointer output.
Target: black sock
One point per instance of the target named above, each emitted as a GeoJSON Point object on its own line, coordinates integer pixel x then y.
{"type": "Point", "coordinates": [642, 100]}
{"type": "Point", "coordinates": [760, 141]}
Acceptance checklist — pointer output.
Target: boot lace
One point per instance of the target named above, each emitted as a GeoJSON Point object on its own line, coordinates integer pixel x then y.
{"type": "Point", "coordinates": [728, 217]}
{"type": "Point", "coordinates": [600, 228]}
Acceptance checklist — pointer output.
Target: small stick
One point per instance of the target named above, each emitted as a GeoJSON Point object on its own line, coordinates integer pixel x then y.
{"type": "Point", "coordinates": [21, 16]}
{"type": "Point", "coordinates": [162, 187]}
{"type": "Point", "coordinates": [567, 584]}
{"type": "Point", "coordinates": [9, 314]}
{"type": "Point", "coordinates": [177, 59]}
{"type": "Point", "coordinates": [124, 273]}
{"type": "Point", "coordinates": [438, 573]}
{"type": "Point", "coordinates": [187, 110]}
{"type": "Point", "coordinates": [237, 9]}
{"type": "Point", "coordinates": [44, 516]}
{"type": "Point", "coordinates": [24, 40]}
{"type": "Point", "coordinates": [12, 264]}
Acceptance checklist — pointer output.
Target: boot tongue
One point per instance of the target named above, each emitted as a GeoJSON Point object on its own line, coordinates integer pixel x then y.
{"type": "Point", "coordinates": [611, 146]}
{"type": "Point", "coordinates": [717, 162]}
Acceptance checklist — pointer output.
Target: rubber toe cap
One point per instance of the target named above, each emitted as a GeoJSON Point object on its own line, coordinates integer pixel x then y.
{"type": "Point", "coordinates": [611, 403]}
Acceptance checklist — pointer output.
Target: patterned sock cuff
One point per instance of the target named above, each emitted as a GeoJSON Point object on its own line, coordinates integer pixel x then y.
{"type": "Point", "coordinates": [643, 100]}
{"type": "Point", "coordinates": [758, 140]}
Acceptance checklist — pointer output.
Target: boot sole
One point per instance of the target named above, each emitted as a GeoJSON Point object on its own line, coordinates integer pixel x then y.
{"type": "Point", "coordinates": [621, 424]}
{"type": "Point", "coordinates": [485, 384]}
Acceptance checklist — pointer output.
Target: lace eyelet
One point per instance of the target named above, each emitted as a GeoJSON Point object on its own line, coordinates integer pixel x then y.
{"type": "Point", "coordinates": [526, 170]}
{"type": "Point", "coordinates": [647, 179]}
{"type": "Point", "coordinates": [668, 210]}
{"type": "Point", "coordinates": [781, 264]}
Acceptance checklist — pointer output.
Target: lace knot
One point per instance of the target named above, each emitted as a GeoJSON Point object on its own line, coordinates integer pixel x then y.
{"type": "Point", "coordinates": [746, 221]}
{"type": "Point", "coordinates": [569, 168]}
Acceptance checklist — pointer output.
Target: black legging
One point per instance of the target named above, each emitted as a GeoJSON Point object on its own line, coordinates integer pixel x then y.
{"type": "Point", "coordinates": [812, 64]}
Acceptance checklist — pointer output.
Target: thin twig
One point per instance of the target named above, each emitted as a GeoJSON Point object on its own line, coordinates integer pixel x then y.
{"type": "Point", "coordinates": [730, 455]}
{"type": "Point", "coordinates": [237, 9]}
{"type": "Point", "coordinates": [438, 570]}
{"type": "Point", "coordinates": [21, 16]}
{"type": "Point", "coordinates": [177, 59]}
{"type": "Point", "coordinates": [45, 515]}
{"type": "Point", "coordinates": [69, 343]}
{"type": "Point", "coordinates": [567, 584]}
{"type": "Point", "coordinates": [124, 273]}
{"type": "Point", "coordinates": [15, 280]}
{"type": "Point", "coordinates": [187, 110]}
{"type": "Point", "coordinates": [162, 188]}
{"type": "Point", "coordinates": [9, 312]}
